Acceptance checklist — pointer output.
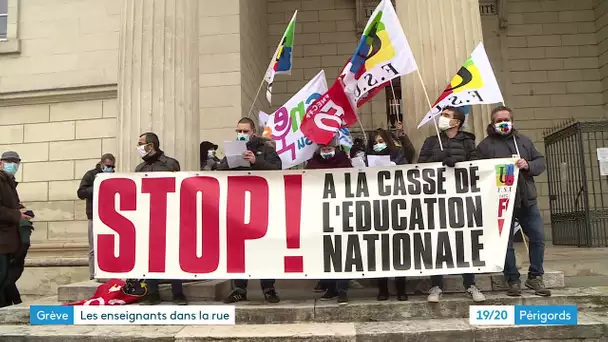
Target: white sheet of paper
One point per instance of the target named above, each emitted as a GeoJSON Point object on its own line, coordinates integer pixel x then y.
{"type": "Point", "coordinates": [358, 162]}
{"type": "Point", "coordinates": [604, 167]}
{"type": "Point", "coordinates": [602, 153]}
{"type": "Point", "coordinates": [378, 161]}
{"type": "Point", "coordinates": [234, 154]}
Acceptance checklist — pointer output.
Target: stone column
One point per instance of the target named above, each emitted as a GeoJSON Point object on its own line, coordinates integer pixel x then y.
{"type": "Point", "coordinates": [158, 80]}
{"type": "Point", "coordinates": [442, 35]}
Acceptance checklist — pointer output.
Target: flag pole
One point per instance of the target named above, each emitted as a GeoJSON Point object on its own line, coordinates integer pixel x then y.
{"type": "Point", "coordinates": [428, 100]}
{"type": "Point", "coordinates": [257, 94]}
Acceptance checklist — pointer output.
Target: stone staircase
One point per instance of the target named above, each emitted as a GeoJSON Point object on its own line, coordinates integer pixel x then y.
{"type": "Point", "coordinates": [302, 317]}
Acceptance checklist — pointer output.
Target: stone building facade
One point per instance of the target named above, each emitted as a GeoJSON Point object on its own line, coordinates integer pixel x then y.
{"type": "Point", "coordinates": [79, 78]}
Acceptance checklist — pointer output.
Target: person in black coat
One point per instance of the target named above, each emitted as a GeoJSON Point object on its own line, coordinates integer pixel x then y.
{"type": "Point", "coordinates": [458, 146]}
{"type": "Point", "coordinates": [503, 141]}
{"type": "Point", "coordinates": [381, 143]}
{"type": "Point", "coordinates": [331, 156]}
{"type": "Point", "coordinates": [85, 192]}
{"type": "Point", "coordinates": [261, 156]}
{"type": "Point", "coordinates": [209, 161]}
{"type": "Point", "coordinates": [155, 160]}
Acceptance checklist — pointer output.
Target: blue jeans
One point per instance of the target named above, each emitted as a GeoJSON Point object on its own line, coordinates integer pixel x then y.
{"type": "Point", "coordinates": [531, 223]}
{"type": "Point", "coordinates": [177, 288]}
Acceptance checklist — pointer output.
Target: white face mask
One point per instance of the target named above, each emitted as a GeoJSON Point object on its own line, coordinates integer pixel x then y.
{"type": "Point", "coordinates": [142, 150]}
{"type": "Point", "coordinates": [444, 123]}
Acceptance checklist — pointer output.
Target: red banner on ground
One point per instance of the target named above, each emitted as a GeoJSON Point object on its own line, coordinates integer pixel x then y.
{"type": "Point", "coordinates": [115, 292]}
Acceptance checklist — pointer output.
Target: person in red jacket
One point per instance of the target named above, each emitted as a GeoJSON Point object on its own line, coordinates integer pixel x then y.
{"type": "Point", "coordinates": [331, 156]}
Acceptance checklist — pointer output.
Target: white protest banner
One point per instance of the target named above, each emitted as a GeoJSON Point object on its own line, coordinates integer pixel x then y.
{"type": "Point", "coordinates": [475, 83]}
{"type": "Point", "coordinates": [409, 220]}
{"type": "Point", "coordinates": [284, 125]}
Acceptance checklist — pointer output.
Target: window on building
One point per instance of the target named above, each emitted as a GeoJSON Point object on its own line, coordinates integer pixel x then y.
{"type": "Point", "coordinates": [3, 18]}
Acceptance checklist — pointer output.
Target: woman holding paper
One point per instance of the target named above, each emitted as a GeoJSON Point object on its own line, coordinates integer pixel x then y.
{"type": "Point", "coordinates": [331, 156]}
{"type": "Point", "coordinates": [381, 143]}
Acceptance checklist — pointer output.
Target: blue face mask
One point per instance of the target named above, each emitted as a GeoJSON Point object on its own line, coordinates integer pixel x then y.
{"type": "Point", "coordinates": [379, 147]}
{"type": "Point", "coordinates": [10, 168]}
{"type": "Point", "coordinates": [242, 137]}
{"type": "Point", "coordinates": [107, 169]}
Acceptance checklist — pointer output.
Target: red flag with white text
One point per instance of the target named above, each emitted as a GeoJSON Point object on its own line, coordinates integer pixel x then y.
{"type": "Point", "coordinates": [332, 111]}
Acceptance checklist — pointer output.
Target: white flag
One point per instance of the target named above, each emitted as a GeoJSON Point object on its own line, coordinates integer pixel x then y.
{"type": "Point", "coordinates": [383, 53]}
{"type": "Point", "coordinates": [474, 83]}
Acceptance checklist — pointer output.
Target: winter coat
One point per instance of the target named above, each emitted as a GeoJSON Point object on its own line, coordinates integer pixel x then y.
{"type": "Point", "coordinates": [158, 162]}
{"type": "Point", "coordinates": [266, 157]}
{"type": "Point", "coordinates": [10, 215]}
{"type": "Point", "coordinates": [210, 164]}
{"type": "Point", "coordinates": [457, 149]}
{"type": "Point", "coordinates": [339, 161]}
{"type": "Point", "coordinates": [85, 190]}
{"type": "Point", "coordinates": [503, 146]}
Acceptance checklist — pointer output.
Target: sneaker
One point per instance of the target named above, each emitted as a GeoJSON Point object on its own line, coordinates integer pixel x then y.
{"type": "Point", "coordinates": [353, 284]}
{"type": "Point", "coordinates": [474, 292]}
{"type": "Point", "coordinates": [271, 296]}
{"type": "Point", "coordinates": [152, 299]}
{"type": "Point", "coordinates": [434, 294]}
{"type": "Point", "coordinates": [329, 295]}
{"type": "Point", "coordinates": [342, 298]}
{"type": "Point", "coordinates": [320, 287]}
{"type": "Point", "coordinates": [180, 299]}
{"type": "Point", "coordinates": [237, 295]}
{"type": "Point", "coordinates": [538, 285]}
{"type": "Point", "coordinates": [514, 290]}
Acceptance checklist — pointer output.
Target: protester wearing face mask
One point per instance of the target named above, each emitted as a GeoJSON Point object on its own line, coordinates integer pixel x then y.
{"type": "Point", "coordinates": [331, 156]}
{"type": "Point", "coordinates": [107, 164]}
{"type": "Point", "coordinates": [261, 156]}
{"type": "Point", "coordinates": [12, 213]}
{"type": "Point", "coordinates": [503, 141]}
{"type": "Point", "coordinates": [458, 146]}
{"type": "Point", "coordinates": [381, 143]}
{"type": "Point", "coordinates": [209, 160]}
{"type": "Point", "coordinates": [155, 160]}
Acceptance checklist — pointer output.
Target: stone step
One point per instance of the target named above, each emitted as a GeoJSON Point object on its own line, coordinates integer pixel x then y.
{"type": "Point", "coordinates": [591, 327]}
{"type": "Point", "coordinates": [302, 289]}
{"type": "Point", "coordinates": [369, 310]}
